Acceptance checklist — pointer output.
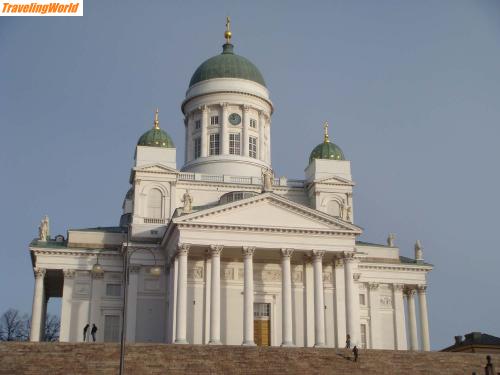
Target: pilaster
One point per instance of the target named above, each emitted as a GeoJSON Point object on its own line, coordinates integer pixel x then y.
{"type": "Point", "coordinates": [66, 302]}
{"type": "Point", "coordinates": [133, 286]}
{"type": "Point", "coordinates": [319, 303]}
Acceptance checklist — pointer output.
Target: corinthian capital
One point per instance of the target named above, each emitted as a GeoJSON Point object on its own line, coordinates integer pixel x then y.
{"type": "Point", "coordinates": [421, 289]}
{"type": "Point", "coordinates": [348, 256]}
{"type": "Point", "coordinates": [410, 292]}
{"type": "Point", "coordinates": [373, 286]}
{"type": "Point", "coordinates": [318, 254]}
{"type": "Point", "coordinates": [215, 250]}
{"type": "Point", "coordinates": [39, 272]}
{"type": "Point", "coordinates": [183, 248]}
{"type": "Point", "coordinates": [69, 274]}
{"type": "Point", "coordinates": [286, 253]}
{"type": "Point", "coordinates": [248, 251]}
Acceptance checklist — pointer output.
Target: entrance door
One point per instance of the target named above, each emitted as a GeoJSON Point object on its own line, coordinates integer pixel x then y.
{"type": "Point", "coordinates": [262, 324]}
{"type": "Point", "coordinates": [111, 328]}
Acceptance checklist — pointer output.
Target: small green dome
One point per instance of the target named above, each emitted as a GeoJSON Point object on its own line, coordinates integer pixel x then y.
{"type": "Point", "coordinates": [326, 150]}
{"type": "Point", "coordinates": [156, 138]}
{"type": "Point", "coordinates": [227, 65]}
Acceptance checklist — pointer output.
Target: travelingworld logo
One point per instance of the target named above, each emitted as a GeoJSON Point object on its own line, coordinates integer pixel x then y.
{"type": "Point", "coordinates": [16, 8]}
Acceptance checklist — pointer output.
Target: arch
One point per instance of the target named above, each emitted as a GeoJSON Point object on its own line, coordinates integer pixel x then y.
{"type": "Point", "coordinates": [155, 204]}
{"type": "Point", "coordinates": [333, 207]}
{"type": "Point", "coordinates": [154, 201]}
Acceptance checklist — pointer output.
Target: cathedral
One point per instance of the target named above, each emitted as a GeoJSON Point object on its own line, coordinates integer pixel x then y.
{"type": "Point", "coordinates": [219, 250]}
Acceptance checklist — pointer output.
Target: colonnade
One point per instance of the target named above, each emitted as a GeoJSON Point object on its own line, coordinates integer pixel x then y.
{"type": "Point", "coordinates": [410, 292]}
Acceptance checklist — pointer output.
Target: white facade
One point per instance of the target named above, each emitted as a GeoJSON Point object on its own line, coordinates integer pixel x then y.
{"type": "Point", "coordinates": [243, 261]}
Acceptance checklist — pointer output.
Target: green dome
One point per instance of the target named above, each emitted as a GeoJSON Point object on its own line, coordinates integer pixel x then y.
{"type": "Point", "coordinates": [156, 138]}
{"type": "Point", "coordinates": [227, 65]}
{"type": "Point", "coordinates": [326, 150]}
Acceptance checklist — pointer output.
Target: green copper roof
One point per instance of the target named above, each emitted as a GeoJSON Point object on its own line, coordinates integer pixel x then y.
{"type": "Point", "coordinates": [227, 65]}
{"type": "Point", "coordinates": [326, 150]}
{"type": "Point", "coordinates": [156, 138]}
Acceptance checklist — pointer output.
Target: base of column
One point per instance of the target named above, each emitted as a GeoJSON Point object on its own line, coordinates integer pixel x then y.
{"type": "Point", "coordinates": [213, 342]}
{"type": "Point", "coordinates": [288, 344]}
{"type": "Point", "coordinates": [320, 345]}
{"type": "Point", "coordinates": [248, 343]}
{"type": "Point", "coordinates": [181, 341]}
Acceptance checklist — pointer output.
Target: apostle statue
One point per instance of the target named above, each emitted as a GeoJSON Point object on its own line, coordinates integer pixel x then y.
{"type": "Point", "coordinates": [267, 179]}
{"type": "Point", "coordinates": [187, 199]}
{"type": "Point", "coordinates": [419, 251]}
{"type": "Point", "coordinates": [390, 240]}
{"type": "Point", "coordinates": [43, 229]}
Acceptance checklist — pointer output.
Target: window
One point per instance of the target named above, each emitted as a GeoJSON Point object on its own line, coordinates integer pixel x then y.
{"type": "Point", "coordinates": [214, 144]}
{"type": "Point", "coordinates": [261, 310]}
{"type": "Point", "coordinates": [197, 147]}
{"type": "Point", "coordinates": [252, 147]}
{"type": "Point", "coordinates": [155, 199]}
{"type": "Point", "coordinates": [362, 299]}
{"type": "Point", "coordinates": [253, 123]}
{"type": "Point", "coordinates": [333, 208]}
{"type": "Point", "coordinates": [234, 144]}
{"type": "Point", "coordinates": [214, 120]}
{"type": "Point", "coordinates": [111, 328]}
{"type": "Point", "coordinates": [113, 290]}
{"type": "Point", "coordinates": [197, 124]}
{"type": "Point", "coordinates": [363, 336]}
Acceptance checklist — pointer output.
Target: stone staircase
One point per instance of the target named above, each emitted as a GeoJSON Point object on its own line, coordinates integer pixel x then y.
{"type": "Point", "coordinates": [89, 358]}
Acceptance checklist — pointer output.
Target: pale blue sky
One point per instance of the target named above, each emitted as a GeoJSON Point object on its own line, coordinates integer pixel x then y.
{"type": "Point", "coordinates": [411, 90]}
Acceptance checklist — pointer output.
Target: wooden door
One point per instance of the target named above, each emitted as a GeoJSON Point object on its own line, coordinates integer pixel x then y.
{"type": "Point", "coordinates": [262, 324]}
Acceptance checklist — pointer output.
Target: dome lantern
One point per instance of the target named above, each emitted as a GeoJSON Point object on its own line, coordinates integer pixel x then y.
{"type": "Point", "coordinates": [156, 137]}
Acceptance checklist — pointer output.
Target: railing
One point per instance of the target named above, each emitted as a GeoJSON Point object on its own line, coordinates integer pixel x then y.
{"type": "Point", "coordinates": [151, 220]}
{"type": "Point", "coordinates": [246, 180]}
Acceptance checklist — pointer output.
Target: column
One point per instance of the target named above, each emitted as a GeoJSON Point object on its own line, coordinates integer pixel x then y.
{"type": "Point", "coordinates": [340, 320]}
{"type": "Point", "coordinates": [424, 320]}
{"type": "Point", "coordinates": [215, 251]}
{"type": "Point", "coordinates": [190, 138]}
{"type": "Point", "coordinates": [37, 312]}
{"type": "Point", "coordinates": [319, 304]}
{"type": "Point", "coordinates": [244, 140]}
{"type": "Point", "coordinates": [174, 265]}
{"type": "Point", "coordinates": [261, 135]}
{"type": "Point", "coordinates": [399, 317]}
{"type": "Point", "coordinates": [204, 131]}
{"type": "Point", "coordinates": [181, 313]}
{"type": "Point", "coordinates": [351, 298]}
{"type": "Point", "coordinates": [286, 294]}
{"type": "Point", "coordinates": [309, 301]}
{"type": "Point", "coordinates": [224, 135]}
{"type": "Point", "coordinates": [268, 132]}
{"type": "Point", "coordinates": [206, 297]}
{"type": "Point", "coordinates": [248, 334]}
{"type": "Point", "coordinates": [374, 299]}
{"type": "Point", "coordinates": [133, 283]}
{"type": "Point", "coordinates": [186, 136]}
{"type": "Point", "coordinates": [64, 332]}
{"type": "Point", "coordinates": [412, 318]}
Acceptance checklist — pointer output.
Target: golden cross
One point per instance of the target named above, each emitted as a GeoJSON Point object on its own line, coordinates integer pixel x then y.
{"type": "Point", "coordinates": [157, 122]}
{"type": "Point", "coordinates": [325, 126]}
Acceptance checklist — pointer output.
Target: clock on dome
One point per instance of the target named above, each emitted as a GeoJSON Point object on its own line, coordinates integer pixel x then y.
{"type": "Point", "coordinates": [234, 119]}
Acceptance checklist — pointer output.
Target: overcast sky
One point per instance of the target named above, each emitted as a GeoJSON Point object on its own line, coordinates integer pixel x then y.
{"type": "Point", "coordinates": [411, 90]}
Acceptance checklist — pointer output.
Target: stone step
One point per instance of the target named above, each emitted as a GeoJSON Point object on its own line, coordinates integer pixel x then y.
{"type": "Point", "coordinates": [100, 358]}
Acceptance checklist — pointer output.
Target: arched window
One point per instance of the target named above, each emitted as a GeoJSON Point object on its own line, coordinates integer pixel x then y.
{"type": "Point", "coordinates": [333, 208]}
{"type": "Point", "coordinates": [155, 200]}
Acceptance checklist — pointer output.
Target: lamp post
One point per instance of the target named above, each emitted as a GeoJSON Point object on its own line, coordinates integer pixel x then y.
{"type": "Point", "coordinates": [155, 271]}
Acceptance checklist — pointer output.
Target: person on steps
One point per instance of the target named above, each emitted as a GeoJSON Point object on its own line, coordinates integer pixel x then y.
{"type": "Point", "coordinates": [93, 332]}
{"type": "Point", "coordinates": [348, 342]}
{"type": "Point", "coordinates": [355, 352]}
{"type": "Point", "coordinates": [85, 329]}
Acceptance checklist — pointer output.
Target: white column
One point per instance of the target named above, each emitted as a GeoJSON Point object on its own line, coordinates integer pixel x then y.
{"type": "Point", "coordinates": [319, 304]}
{"type": "Point", "coordinates": [224, 137]}
{"type": "Point", "coordinates": [133, 284]}
{"type": "Point", "coordinates": [286, 294]}
{"type": "Point", "coordinates": [175, 278]}
{"type": "Point", "coordinates": [309, 302]}
{"type": "Point", "coordinates": [190, 139]}
{"type": "Point", "coordinates": [64, 330]}
{"type": "Point", "coordinates": [181, 313]}
{"type": "Point", "coordinates": [268, 132]}
{"type": "Point", "coordinates": [37, 312]}
{"type": "Point", "coordinates": [374, 300]}
{"type": "Point", "coordinates": [244, 141]}
{"type": "Point", "coordinates": [412, 318]}
{"type": "Point", "coordinates": [351, 295]}
{"type": "Point", "coordinates": [399, 317]}
{"type": "Point", "coordinates": [215, 251]}
{"type": "Point", "coordinates": [248, 334]}
{"type": "Point", "coordinates": [424, 320]}
{"type": "Point", "coordinates": [261, 135]}
{"type": "Point", "coordinates": [206, 311]}
{"type": "Point", "coordinates": [204, 131]}
{"type": "Point", "coordinates": [186, 136]}
{"type": "Point", "coordinates": [340, 320]}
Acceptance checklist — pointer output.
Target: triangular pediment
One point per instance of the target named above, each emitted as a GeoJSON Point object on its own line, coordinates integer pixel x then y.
{"type": "Point", "coordinates": [156, 168]}
{"type": "Point", "coordinates": [335, 180]}
{"type": "Point", "coordinates": [268, 211]}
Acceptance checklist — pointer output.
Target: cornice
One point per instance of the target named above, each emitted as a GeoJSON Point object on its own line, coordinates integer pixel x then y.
{"type": "Point", "coordinates": [73, 252]}
{"type": "Point", "coordinates": [394, 267]}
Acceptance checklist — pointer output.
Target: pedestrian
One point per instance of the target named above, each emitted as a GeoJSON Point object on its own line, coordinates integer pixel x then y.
{"type": "Point", "coordinates": [93, 332]}
{"type": "Point", "coordinates": [348, 342]}
{"type": "Point", "coordinates": [355, 352]}
{"type": "Point", "coordinates": [85, 329]}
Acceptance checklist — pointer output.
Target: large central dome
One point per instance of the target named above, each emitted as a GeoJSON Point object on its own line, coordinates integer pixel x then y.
{"type": "Point", "coordinates": [227, 65]}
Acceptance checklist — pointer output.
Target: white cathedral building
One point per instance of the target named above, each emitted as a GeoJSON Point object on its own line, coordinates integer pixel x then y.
{"type": "Point", "coordinates": [219, 251]}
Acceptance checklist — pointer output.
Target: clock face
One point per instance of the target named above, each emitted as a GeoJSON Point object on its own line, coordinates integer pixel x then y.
{"type": "Point", "coordinates": [234, 118]}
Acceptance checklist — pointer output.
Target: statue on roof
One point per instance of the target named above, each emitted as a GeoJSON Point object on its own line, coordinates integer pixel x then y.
{"type": "Point", "coordinates": [390, 240]}
{"type": "Point", "coordinates": [267, 179]}
{"type": "Point", "coordinates": [43, 229]}
{"type": "Point", "coordinates": [419, 251]}
{"type": "Point", "coordinates": [187, 199]}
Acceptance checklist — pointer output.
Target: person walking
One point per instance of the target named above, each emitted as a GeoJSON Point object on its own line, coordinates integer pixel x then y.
{"type": "Point", "coordinates": [85, 330]}
{"type": "Point", "coordinates": [355, 352]}
{"type": "Point", "coordinates": [348, 342]}
{"type": "Point", "coordinates": [93, 332]}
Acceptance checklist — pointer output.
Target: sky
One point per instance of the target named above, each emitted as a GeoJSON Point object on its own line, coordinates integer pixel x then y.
{"type": "Point", "coordinates": [410, 88]}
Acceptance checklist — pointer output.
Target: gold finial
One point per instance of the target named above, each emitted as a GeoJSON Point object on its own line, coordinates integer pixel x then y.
{"type": "Point", "coordinates": [325, 126]}
{"type": "Point", "coordinates": [156, 122]}
{"type": "Point", "coordinates": [228, 32]}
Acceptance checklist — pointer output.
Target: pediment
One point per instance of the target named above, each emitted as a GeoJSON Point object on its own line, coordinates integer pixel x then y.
{"type": "Point", "coordinates": [156, 168]}
{"type": "Point", "coordinates": [268, 211]}
{"type": "Point", "coordinates": [335, 180]}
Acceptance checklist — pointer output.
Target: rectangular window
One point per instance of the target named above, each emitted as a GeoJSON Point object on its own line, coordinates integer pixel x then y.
{"type": "Point", "coordinates": [214, 120]}
{"type": "Point", "coordinates": [113, 290]}
{"type": "Point", "coordinates": [362, 300]}
{"type": "Point", "coordinates": [197, 124]}
{"type": "Point", "coordinates": [253, 123]}
{"type": "Point", "coordinates": [363, 336]}
{"type": "Point", "coordinates": [252, 147]}
{"type": "Point", "coordinates": [234, 144]}
{"type": "Point", "coordinates": [111, 328]}
{"type": "Point", "coordinates": [214, 144]}
{"type": "Point", "coordinates": [197, 147]}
